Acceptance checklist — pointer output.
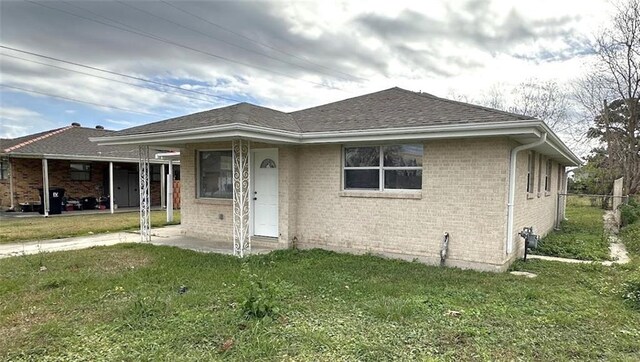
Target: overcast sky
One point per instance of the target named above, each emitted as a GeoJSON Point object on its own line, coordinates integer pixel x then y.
{"type": "Point", "coordinates": [285, 55]}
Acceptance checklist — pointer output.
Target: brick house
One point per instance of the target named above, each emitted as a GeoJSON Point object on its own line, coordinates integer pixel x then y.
{"type": "Point", "coordinates": [388, 173]}
{"type": "Point", "coordinates": [74, 163]}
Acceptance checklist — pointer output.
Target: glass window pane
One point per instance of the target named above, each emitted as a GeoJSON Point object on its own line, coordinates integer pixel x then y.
{"type": "Point", "coordinates": [362, 179]}
{"type": "Point", "coordinates": [403, 155]}
{"type": "Point", "coordinates": [362, 156]}
{"type": "Point", "coordinates": [403, 179]}
{"type": "Point", "coordinates": [216, 174]}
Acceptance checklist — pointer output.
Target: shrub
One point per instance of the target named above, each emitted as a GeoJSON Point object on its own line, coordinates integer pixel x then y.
{"type": "Point", "coordinates": [630, 212]}
{"type": "Point", "coordinates": [630, 235]}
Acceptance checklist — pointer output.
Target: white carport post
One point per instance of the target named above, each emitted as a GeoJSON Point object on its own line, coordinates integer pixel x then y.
{"type": "Point", "coordinates": [145, 195]}
{"type": "Point", "coordinates": [111, 202]}
{"type": "Point", "coordinates": [170, 192]}
{"type": "Point", "coordinates": [163, 187]}
{"type": "Point", "coordinates": [45, 187]}
{"type": "Point", "coordinates": [11, 191]}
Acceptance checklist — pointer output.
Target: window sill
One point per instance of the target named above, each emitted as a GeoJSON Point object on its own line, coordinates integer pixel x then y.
{"type": "Point", "coordinates": [214, 201]}
{"type": "Point", "coordinates": [530, 196]}
{"type": "Point", "coordinates": [416, 195]}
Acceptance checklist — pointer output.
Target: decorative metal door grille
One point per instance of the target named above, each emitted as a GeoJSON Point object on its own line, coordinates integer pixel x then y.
{"type": "Point", "coordinates": [241, 239]}
{"type": "Point", "coordinates": [145, 195]}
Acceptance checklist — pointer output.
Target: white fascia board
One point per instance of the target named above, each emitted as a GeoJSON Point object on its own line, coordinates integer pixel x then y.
{"type": "Point", "coordinates": [269, 135]}
{"type": "Point", "coordinates": [415, 134]}
{"type": "Point", "coordinates": [78, 158]}
{"type": "Point", "coordinates": [258, 133]}
{"type": "Point", "coordinates": [203, 134]}
{"type": "Point", "coordinates": [554, 141]}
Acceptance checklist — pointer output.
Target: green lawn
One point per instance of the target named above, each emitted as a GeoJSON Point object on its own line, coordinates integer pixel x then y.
{"type": "Point", "coordinates": [122, 303]}
{"type": "Point", "coordinates": [581, 235]}
{"type": "Point", "coordinates": [40, 228]}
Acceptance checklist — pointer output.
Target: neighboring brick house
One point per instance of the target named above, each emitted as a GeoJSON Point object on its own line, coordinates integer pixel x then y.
{"type": "Point", "coordinates": [74, 163]}
{"type": "Point", "coordinates": [388, 173]}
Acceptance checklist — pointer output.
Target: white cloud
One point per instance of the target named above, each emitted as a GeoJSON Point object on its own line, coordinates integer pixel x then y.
{"type": "Point", "coordinates": [17, 121]}
{"type": "Point", "coordinates": [434, 46]}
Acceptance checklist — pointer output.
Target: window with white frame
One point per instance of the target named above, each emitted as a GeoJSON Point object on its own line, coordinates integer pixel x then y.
{"type": "Point", "coordinates": [215, 174]}
{"type": "Point", "coordinates": [547, 176]}
{"type": "Point", "coordinates": [80, 171]}
{"type": "Point", "coordinates": [4, 169]}
{"type": "Point", "coordinates": [531, 170]}
{"type": "Point", "coordinates": [389, 167]}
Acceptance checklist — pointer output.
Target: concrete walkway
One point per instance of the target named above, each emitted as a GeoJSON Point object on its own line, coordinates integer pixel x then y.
{"type": "Point", "coordinates": [169, 236]}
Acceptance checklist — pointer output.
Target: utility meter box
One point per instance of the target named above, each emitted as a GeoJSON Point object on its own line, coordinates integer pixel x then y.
{"type": "Point", "coordinates": [530, 239]}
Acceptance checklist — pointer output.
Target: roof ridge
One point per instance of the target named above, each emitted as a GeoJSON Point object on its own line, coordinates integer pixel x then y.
{"type": "Point", "coordinates": [30, 141]}
{"type": "Point", "coordinates": [468, 105]}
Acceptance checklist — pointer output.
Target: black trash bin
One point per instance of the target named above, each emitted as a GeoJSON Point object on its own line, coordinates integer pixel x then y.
{"type": "Point", "coordinates": [55, 200]}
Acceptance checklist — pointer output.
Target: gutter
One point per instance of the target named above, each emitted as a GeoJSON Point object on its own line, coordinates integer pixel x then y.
{"type": "Point", "coordinates": [512, 186]}
{"type": "Point", "coordinates": [270, 135]}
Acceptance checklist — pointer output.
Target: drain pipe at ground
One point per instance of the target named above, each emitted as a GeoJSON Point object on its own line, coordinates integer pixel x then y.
{"type": "Point", "coordinates": [512, 186]}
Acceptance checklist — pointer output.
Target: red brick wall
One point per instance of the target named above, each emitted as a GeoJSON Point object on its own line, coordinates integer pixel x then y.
{"type": "Point", "coordinates": [27, 178]}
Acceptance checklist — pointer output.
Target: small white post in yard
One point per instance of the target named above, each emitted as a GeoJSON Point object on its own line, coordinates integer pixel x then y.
{"type": "Point", "coordinates": [163, 186]}
{"type": "Point", "coordinates": [45, 187]}
{"type": "Point", "coordinates": [170, 192]}
{"type": "Point", "coordinates": [111, 202]}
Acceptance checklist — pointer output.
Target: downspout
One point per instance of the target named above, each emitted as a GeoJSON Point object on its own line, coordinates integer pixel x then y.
{"type": "Point", "coordinates": [512, 186]}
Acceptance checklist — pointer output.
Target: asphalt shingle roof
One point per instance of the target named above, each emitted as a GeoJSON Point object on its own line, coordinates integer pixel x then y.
{"type": "Point", "coordinates": [391, 108]}
{"type": "Point", "coordinates": [66, 141]}
{"type": "Point", "coordinates": [394, 108]}
{"type": "Point", "coordinates": [244, 113]}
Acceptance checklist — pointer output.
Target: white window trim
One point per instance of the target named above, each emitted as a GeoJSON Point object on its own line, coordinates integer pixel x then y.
{"type": "Point", "coordinates": [531, 172]}
{"type": "Point", "coordinates": [197, 175]}
{"type": "Point", "coordinates": [381, 168]}
{"type": "Point", "coordinates": [548, 170]}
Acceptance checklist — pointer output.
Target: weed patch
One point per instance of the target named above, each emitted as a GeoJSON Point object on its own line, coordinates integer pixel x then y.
{"type": "Point", "coordinates": [581, 236]}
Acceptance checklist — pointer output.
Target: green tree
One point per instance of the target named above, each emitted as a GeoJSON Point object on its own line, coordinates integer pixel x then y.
{"type": "Point", "coordinates": [596, 176]}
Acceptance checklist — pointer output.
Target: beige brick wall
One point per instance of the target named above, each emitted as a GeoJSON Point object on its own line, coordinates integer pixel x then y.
{"type": "Point", "coordinates": [464, 194]}
{"type": "Point", "coordinates": [465, 185]}
{"type": "Point", "coordinates": [537, 209]}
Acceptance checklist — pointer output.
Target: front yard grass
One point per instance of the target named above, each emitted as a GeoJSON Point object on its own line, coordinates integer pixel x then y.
{"type": "Point", "coordinates": [143, 302]}
{"type": "Point", "coordinates": [40, 228]}
{"type": "Point", "coordinates": [581, 236]}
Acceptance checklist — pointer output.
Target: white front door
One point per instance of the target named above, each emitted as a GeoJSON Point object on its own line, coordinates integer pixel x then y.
{"type": "Point", "coordinates": [265, 192]}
